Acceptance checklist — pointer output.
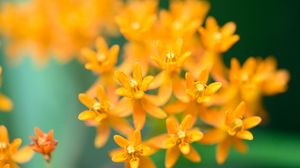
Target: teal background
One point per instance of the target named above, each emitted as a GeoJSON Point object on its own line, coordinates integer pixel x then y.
{"type": "Point", "coordinates": [47, 97]}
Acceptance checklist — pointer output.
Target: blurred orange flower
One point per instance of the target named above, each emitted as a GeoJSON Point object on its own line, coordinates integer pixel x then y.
{"type": "Point", "coordinates": [10, 154]}
{"type": "Point", "coordinates": [5, 103]}
{"type": "Point", "coordinates": [43, 143]}
{"type": "Point", "coordinates": [132, 151]}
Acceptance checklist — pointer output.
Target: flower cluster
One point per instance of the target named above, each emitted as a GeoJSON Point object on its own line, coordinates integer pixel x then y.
{"type": "Point", "coordinates": [58, 27]}
{"type": "Point", "coordinates": [172, 67]}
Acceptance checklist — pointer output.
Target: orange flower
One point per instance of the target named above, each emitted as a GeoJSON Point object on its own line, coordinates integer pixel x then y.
{"type": "Point", "coordinates": [103, 114]}
{"type": "Point", "coordinates": [10, 154]}
{"type": "Point", "coordinates": [133, 90]}
{"type": "Point", "coordinates": [102, 62]}
{"type": "Point", "coordinates": [250, 82]}
{"type": "Point", "coordinates": [137, 19]}
{"type": "Point", "coordinates": [178, 140]}
{"type": "Point", "coordinates": [43, 143]}
{"type": "Point", "coordinates": [5, 103]}
{"type": "Point", "coordinates": [231, 129]}
{"type": "Point", "coordinates": [132, 151]}
{"type": "Point", "coordinates": [170, 60]}
{"type": "Point", "coordinates": [218, 39]}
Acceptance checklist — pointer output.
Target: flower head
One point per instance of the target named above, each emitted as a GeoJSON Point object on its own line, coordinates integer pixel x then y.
{"type": "Point", "coordinates": [10, 154]}
{"type": "Point", "coordinates": [103, 60]}
{"type": "Point", "coordinates": [44, 143]}
{"type": "Point", "coordinates": [103, 114]}
{"type": "Point", "coordinates": [132, 151]}
{"type": "Point", "coordinates": [199, 90]}
{"type": "Point", "coordinates": [218, 39]}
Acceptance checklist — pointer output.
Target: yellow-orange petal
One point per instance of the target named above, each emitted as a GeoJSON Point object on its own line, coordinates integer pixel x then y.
{"type": "Point", "coordinates": [187, 123]}
{"type": "Point", "coordinates": [23, 155]}
{"type": "Point", "coordinates": [102, 135]}
{"type": "Point", "coordinates": [171, 157]}
{"type": "Point", "coordinates": [16, 143]}
{"type": "Point", "coordinates": [120, 156]}
{"type": "Point", "coordinates": [213, 88]}
{"type": "Point", "coordinates": [193, 156]}
{"type": "Point", "coordinates": [158, 141]}
{"type": "Point", "coordinates": [136, 138]}
{"type": "Point", "coordinates": [222, 151]}
{"type": "Point", "coordinates": [5, 103]}
{"type": "Point", "coordinates": [122, 78]}
{"type": "Point", "coordinates": [137, 73]}
{"type": "Point", "coordinates": [139, 116]}
{"type": "Point", "coordinates": [195, 135]}
{"type": "Point", "coordinates": [185, 148]}
{"type": "Point", "coordinates": [123, 108]}
{"type": "Point", "coordinates": [172, 125]}
{"type": "Point", "coordinates": [145, 162]}
{"type": "Point", "coordinates": [164, 92]}
{"type": "Point", "coordinates": [86, 100]}
{"type": "Point", "coordinates": [240, 145]}
{"type": "Point", "coordinates": [122, 142]}
{"type": "Point", "coordinates": [146, 82]}
{"type": "Point", "coordinates": [3, 134]}
{"type": "Point", "coordinates": [189, 80]}
{"type": "Point", "coordinates": [251, 122]}
{"type": "Point", "coordinates": [179, 89]}
{"type": "Point", "coordinates": [153, 110]}
{"type": "Point", "coordinates": [134, 162]}
{"type": "Point", "coordinates": [87, 115]}
{"type": "Point", "coordinates": [204, 76]}
{"type": "Point", "coordinates": [175, 107]}
{"type": "Point", "coordinates": [121, 125]}
{"type": "Point", "coordinates": [213, 136]}
{"type": "Point", "coordinates": [247, 135]}
{"type": "Point", "coordinates": [239, 111]}
{"type": "Point", "coordinates": [100, 92]}
{"type": "Point", "coordinates": [170, 143]}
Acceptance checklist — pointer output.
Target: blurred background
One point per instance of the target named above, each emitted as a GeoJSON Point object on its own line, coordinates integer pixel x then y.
{"type": "Point", "coordinates": [46, 97]}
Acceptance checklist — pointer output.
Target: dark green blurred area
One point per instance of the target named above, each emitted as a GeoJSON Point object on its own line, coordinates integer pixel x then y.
{"type": "Point", "coordinates": [47, 97]}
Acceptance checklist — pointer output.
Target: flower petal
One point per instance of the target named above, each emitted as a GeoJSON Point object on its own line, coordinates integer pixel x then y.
{"type": "Point", "coordinates": [179, 89]}
{"type": "Point", "coordinates": [136, 138]}
{"type": "Point", "coordinates": [195, 135]}
{"type": "Point", "coordinates": [23, 155]}
{"type": "Point", "coordinates": [185, 148]}
{"type": "Point", "coordinates": [251, 122]}
{"type": "Point", "coordinates": [175, 107]}
{"type": "Point", "coordinates": [100, 92]}
{"type": "Point", "coordinates": [86, 100]}
{"type": "Point", "coordinates": [134, 162]}
{"type": "Point", "coordinates": [240, 145]}
{"type": "Point", "coordinates": [222, 151]}
{"type": "Point", "coordinates": [213, 88]}
{"type": "Point", "coordinates": [5, 103]}
{"type": "Point", "coordinates": [247, 135]}
{"type": "Point", "coordinates": [153, 110]}
{"type": "Point", "coordinates": [146, 82]}
{"type": "Point", "coordinates": [193, 156]}
{"type": "Point", "coordinates": [204, 76]}
{"type": "Point", "coordinates": [122, 142]}
{"type": "Point", "coordinates": [172, 125]}
{"type": "Point", "coordinates": [4, 134]}
{"type": "Point", "coordinates": [102, 135]}
{"type": "Point", "coordinates": [123, 79]}
{"type": "Point", "coordinates": [158, 141]}
{"type": "Point", "coordinates": [87, 115]}
{"type": "Point", "coordinates": [171, 157]}
{"type": "Point", "coordinates": [137, 73]}
{"type": "Point", "coordinates": [139, 116]}
{"type": "Point", "coordinates": [187, 123]}
{"type": "Point", "coordinates": [121, 125]}
{"type": "Point", "coordinates": [146, 163]}
{"type": "Point", "coordinates": [123, 108]}
{"type": "Point", "coordinates": [119, 156]}
{"type": "Point", "coordinates": [213, 136]}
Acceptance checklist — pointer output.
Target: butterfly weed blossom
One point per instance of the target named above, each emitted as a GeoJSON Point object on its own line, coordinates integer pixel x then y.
{"type": "Point", "coordinates": [169, 65]}
{"type": "Point", "coordinates": [172, 67]}
{"type": "Point", "coordinates": [5, 103]}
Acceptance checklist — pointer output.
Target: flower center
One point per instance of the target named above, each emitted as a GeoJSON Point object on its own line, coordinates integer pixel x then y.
{"type": "Point", "coordinates": [170, 57]}
{"type": "Point", "coordinates": [199, 89]}
{"type": "Point", "coordinates": [237, 125]}
{"type": "Point", "coordinates": [41, 141]}
{"type": "Point", "coordinates": [130, 149]}
{"type": "Point", "coordinates": [101, 57]}
{"type": "Point", "coordinates": [3, 146]}
{"type": "Point", "coordinates": [181, 134]}
{"type": "Point", "coordinates": [97, 106]}
{"type": "Point", "coordinates": [134, 85]}
{"type": "Point", "coordinates": [135, 25]}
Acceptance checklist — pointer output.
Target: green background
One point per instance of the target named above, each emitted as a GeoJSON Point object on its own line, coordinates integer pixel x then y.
{"type": "Point", "coordinates": [47, 97]}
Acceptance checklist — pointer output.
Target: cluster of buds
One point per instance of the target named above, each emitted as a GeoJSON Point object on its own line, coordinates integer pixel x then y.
{"type": "Point", "coordinates": [172, 67]}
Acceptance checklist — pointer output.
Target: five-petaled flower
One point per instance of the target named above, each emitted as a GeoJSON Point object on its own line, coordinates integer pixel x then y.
{"type": "Point", "coordinates": [134, 96]}
{"type": "Point", "coordinates": [133, 151]}
{"type": "Point", "coordinates": [44, 143]}
{"type": "Point", "coordinates": [103, 114]}
{"type": "Point", "coordinates": [178, 140]}
{"type": "Point", "coordinates": [231, 128]}
{"type": "Point", "coordinates": [10, 154]}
